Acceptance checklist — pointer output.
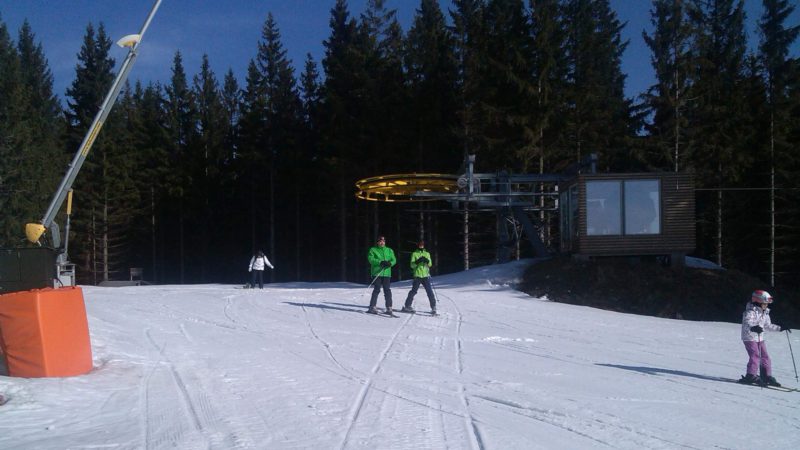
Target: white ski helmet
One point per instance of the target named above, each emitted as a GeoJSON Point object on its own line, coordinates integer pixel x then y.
{"type": "Point", "coordinates": [760, 297]}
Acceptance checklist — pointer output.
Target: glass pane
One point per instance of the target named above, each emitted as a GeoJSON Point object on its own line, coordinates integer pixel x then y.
{"type": "Point", "coordinates": [642, 207]}
{"type": "Point", "coordinates": [603, 215]}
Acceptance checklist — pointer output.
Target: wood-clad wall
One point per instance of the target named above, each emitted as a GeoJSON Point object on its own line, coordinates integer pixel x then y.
{"type": "Point", "coordinates": [677, 219]}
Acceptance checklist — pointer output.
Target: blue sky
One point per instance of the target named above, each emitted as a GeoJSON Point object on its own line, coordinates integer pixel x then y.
{"type": "Point", "coordinates": [228, 31]}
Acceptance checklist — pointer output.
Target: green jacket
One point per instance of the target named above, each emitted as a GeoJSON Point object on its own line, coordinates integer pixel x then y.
{"type": "Point", "coordinates": [375, 256]}
{"type": "Point", "coordinates": [421, 270]}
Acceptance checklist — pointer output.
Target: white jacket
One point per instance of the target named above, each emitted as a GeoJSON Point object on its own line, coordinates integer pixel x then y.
{"type": "Point", "coordinates": [259, 263]}
{"type": "Point", "coordinates": [752, 316]}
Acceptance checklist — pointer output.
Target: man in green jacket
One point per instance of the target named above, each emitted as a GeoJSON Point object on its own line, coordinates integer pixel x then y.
{"type": "Point", "coordinates": [381, 259]}
{"type": "Point", "coordinates": [421, 265]}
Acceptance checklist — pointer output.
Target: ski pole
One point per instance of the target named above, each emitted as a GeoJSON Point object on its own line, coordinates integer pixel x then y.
{"type": "Point", "coordinates": [760, 370]}
{"type": "Point", "coordinates": [792, 353]}
{"type": "Point", "coordinates": [435, 297]}
{"type": "Point", "coordinates": [373, 281]}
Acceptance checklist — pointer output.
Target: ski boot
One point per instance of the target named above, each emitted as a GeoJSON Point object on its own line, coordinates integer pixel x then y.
{"type": "Point", "coordinates": [771, 381]}
{"type": "Point", "coordinates": [408, 309]}
{"type": "Point", "coordinates": [750, 379]}
{"type": "Point", "coordinates": [433, 312]}
{"type": "Point", "coordinates": [372, 310]}
{"type": "Point", "coordinates": [389, 312]}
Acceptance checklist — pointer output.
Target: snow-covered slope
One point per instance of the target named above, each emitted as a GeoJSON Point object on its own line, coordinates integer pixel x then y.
{"type": "Point", "coordinates": [300, 366]}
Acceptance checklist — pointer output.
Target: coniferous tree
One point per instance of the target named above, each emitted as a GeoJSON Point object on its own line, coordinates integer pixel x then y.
{"type": "Point", "coordinates": [12, 193]}
{"type": "Point", "coordinates": [309, 167]}
{"type": "Point", "coordinates": [599, 114]}
{"type": "Point", "coordinates": [469, 34]}
{"type": "Point", "coordinates": [509, 92]}
{"type": "Point", "coordinates": [251, 164]}
{"type": "Point", "coordinates": [212, 124]}
{"type": "Point", "coordinates": [283, 109]}
{"type": "Point", "coordinates": [776, 39]}
{"type": "Point", "coordinates": [549, 71]}
{"type": "Point", "coordinates": [95, 234]}
{"type": "Point", "coordinates": [341, 130]}
{"type": "Point", "coordinates": [549, 68]}
{"type": "Point", "coordinates": [153, 144]}
{"type": "Point", "coordinates": [717, 117]}
{"type": "Point", "coordinates": [432, 73]}
{"type": "Point", "coordinates": [43, 160]}
{"type": "Point", "coordinates": [181, 125]}
{"type": "Point", "coordinates": [666, 100]}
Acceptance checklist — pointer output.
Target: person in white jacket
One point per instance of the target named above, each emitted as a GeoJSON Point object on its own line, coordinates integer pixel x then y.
{"type": "Point", "coordinates": [755, 321]}
{"type": "Point", "coordinates": [257, 265]}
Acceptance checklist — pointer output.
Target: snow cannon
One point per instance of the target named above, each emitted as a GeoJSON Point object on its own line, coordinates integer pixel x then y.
{"type": "Point", "coordinates": [43, 326]}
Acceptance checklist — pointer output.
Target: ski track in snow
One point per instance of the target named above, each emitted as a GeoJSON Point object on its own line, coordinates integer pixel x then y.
{"type": "Point", "coordinates": [302, 367]}
{"type": "Point", "coordinates": [476, 441]}
{"type": "Point", "coordinates": [355, 410]}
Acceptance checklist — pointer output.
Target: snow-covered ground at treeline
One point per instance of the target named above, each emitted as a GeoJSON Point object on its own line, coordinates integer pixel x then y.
{"type": "Point", "coordinates": [299, 365]}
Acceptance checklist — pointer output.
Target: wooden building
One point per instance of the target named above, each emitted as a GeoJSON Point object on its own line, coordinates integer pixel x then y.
{"type": "Point", "coordinates": [634, 214]}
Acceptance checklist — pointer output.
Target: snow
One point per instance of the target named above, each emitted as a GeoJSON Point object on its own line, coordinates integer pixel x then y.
{"type": "Point", "coordinates": [699, 263]}
{"type": "Point", "coordinates": [298, 365]}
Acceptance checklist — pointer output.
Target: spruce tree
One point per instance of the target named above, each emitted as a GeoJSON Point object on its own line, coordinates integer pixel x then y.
{"type": "Point", "coordinates": [283, 109]}
{"type": "Point", "coordinates": [342, 130]}
{"type": "Point", "coordinates": [91, 217]}
{"type": "Point", "coordinates": [432, 72]}
{"type": "Point", "coordinates": [667, 99]}
{"type": "Point", "coordinates": [599, 114]}
{"type": "Point", "coordinates": [181, 125]}
{"type": "Point", "coordinates": [717, 116]}
{"type": "Point", "coordinates": [209, 153]}
{"type": "Point", "coordinates": [783, 163]}
{"type": "Point", "coordinates": [13, 195]}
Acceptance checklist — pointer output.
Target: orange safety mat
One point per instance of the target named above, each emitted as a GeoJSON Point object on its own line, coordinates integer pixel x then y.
{"type": "Point", "coordinates": [44, 333]}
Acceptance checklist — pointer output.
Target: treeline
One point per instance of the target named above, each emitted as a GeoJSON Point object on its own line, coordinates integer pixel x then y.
{"type": "Point", "coordinates": [190, 176]}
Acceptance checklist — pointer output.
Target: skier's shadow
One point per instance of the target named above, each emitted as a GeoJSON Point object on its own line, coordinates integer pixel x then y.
{"type": "Point", "coordinates": [327, 306]}
{"type": "Point", "coordinates": [659, 371]}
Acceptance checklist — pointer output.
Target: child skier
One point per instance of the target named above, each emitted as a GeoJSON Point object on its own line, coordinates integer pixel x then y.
{"type": "Point", "coordinates": [755, 321]}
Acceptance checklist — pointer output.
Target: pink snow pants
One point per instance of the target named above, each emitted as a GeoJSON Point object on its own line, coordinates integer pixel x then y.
{"type": "Point", "coordinates": [756, 351]}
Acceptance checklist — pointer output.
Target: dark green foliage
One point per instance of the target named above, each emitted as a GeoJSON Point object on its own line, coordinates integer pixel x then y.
{"type": "Point", "coordinates": [187, 179]}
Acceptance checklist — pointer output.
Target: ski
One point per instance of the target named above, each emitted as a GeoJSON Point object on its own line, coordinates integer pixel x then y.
{"type": "Point", "coordinates": [766, 386]}
{"type": "Point", "coordinates": [381, 313]}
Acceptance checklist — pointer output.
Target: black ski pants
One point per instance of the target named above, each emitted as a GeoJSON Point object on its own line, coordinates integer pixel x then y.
{"type": "Point", "coordinates": [387, 291]}
{"type": "Point", "coordinates": [257, 275]}
{"type": "Point", "coordinates": [426, 282]}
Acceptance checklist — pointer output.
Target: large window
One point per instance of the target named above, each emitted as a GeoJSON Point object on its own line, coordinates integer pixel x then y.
{"type": "Point", "coordinates": [623, 207]}
{"type": "Point", "coordinates": [642, 212]}
{"type": "Point", "coordinates": [603, 214]}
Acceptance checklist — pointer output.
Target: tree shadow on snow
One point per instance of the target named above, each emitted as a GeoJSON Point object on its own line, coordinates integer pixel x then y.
{"type": "Point", "coordinates": [327, 306]}
{"type": "Point", "coordinates": [659, 371]}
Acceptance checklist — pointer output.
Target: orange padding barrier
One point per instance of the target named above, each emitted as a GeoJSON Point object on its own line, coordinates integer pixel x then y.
{"type": "Point", "coordinates": [44, 333]}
